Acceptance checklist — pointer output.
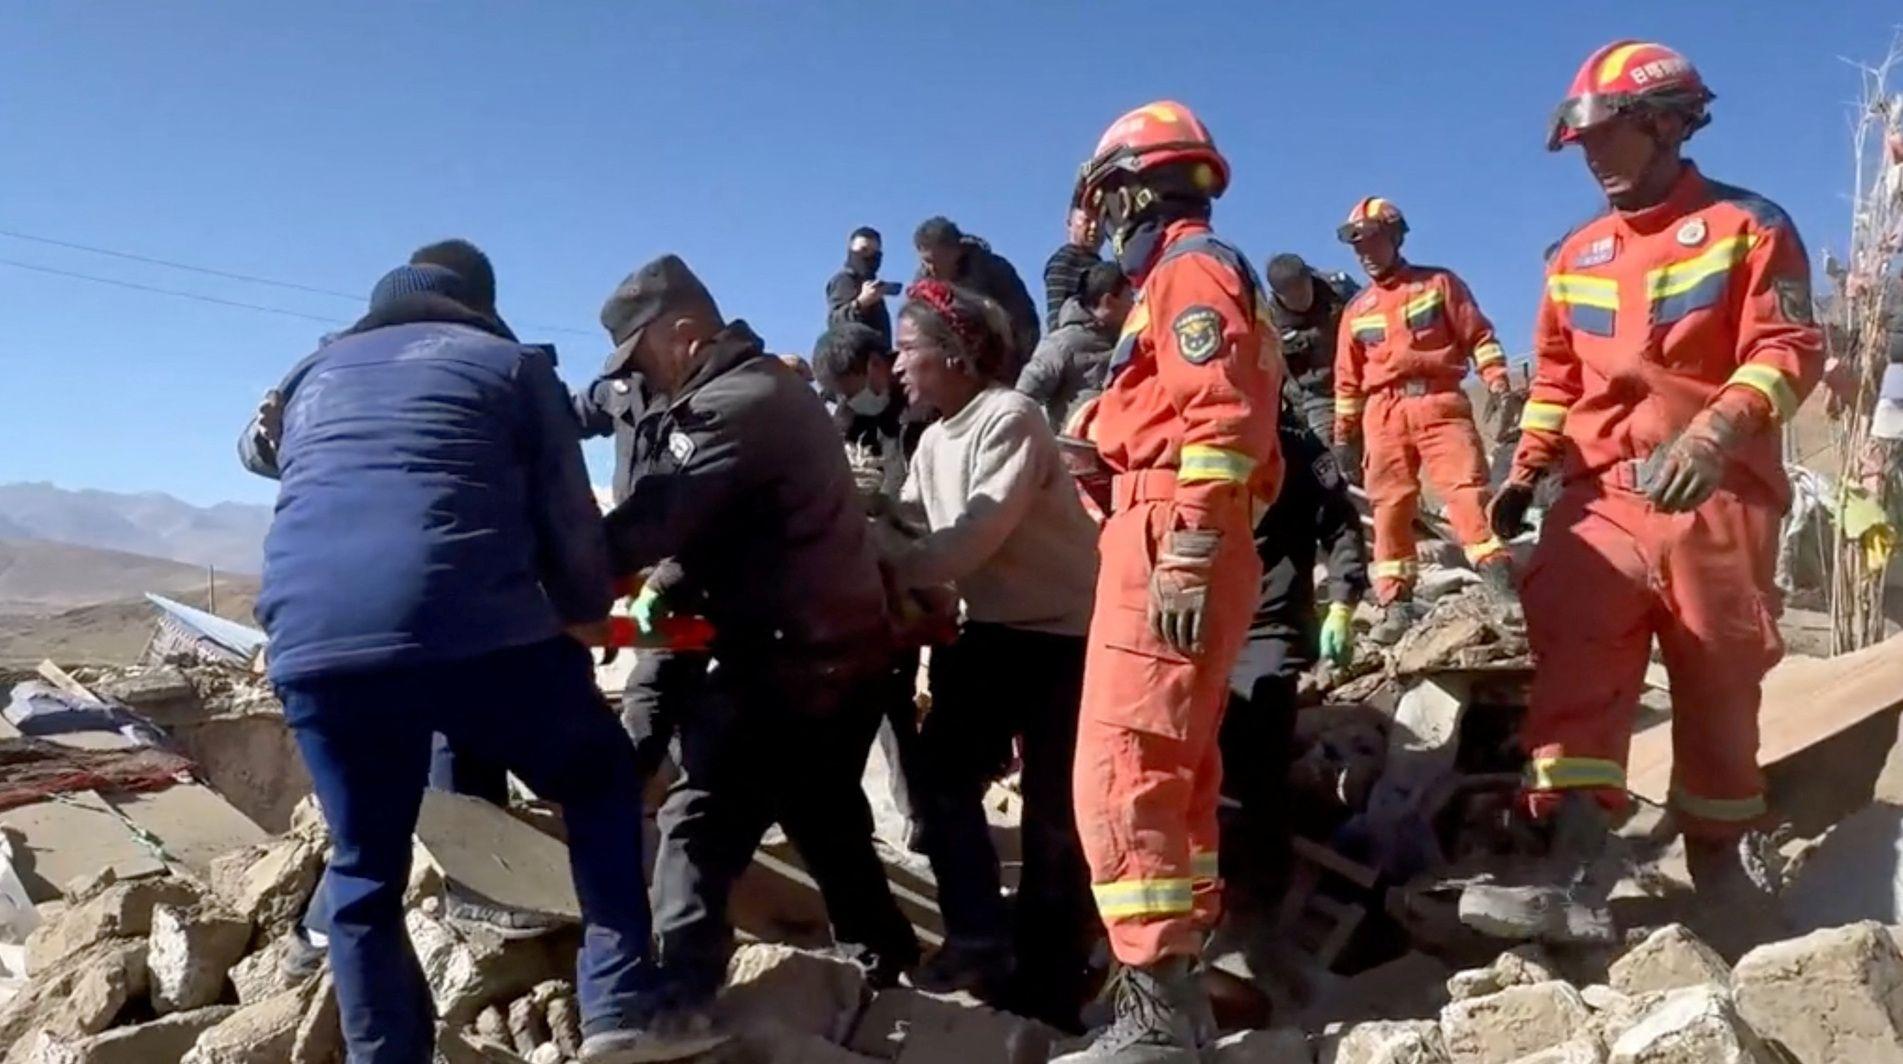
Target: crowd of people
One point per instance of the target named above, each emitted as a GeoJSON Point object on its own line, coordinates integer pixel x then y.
{"type": "Point", "coordinates": [1096, 531]}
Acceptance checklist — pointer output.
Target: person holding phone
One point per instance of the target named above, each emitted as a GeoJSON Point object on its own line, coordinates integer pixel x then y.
{"type": "Point", "coordinates": [855, 293]}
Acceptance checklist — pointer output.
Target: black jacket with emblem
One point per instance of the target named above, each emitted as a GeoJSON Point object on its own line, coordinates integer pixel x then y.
{"type": "Point", "coordinates": [1313, 512]}
{"type": "Point", "coordinates": [740, 477]}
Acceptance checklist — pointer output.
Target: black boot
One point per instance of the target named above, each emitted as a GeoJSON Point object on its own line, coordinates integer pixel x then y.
{"type": "Point", "coordinates": [1737, 886]}
{"type": "Point", "coordinates": [1163, 1017]}
{"type": "Point", "coordinates": [1396, 618]}
{"type": "Point", "coordinates": [1558, 888]}
{"type": "Point", "coordinates": [980, 969]}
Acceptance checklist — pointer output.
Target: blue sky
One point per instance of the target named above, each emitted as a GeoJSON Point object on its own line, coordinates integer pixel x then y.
{"type": "Point", "coordinates": [319, 143]}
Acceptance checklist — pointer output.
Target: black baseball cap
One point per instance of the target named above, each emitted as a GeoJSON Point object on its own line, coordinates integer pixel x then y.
{"type": "Point", "coordinates": [640, 300]}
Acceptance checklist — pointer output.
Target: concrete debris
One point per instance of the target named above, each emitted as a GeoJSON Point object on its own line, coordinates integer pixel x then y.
{"type": "Point", "coordinates": [528, 1026]}
{"type": "Point", "coordinates": [119, 910]}
{"type": "Point", "coordinates": [466, 1047]}
{"type": "Point", "coordinates": [1669, 958]}
{"type": "Point", "coordinates": [192, 949]}
{"type": "Point", "coordinates": [469, 967]}
{"type": "Point", "coordinates": [794, 990]}
{"type": "Point", "coordinates": [269, 884]}
{"type": "Point", "coordinates": [1577, 1051]}
{"type": "Point", "coordinates": [261, 975]}
{"type": "Point", "coordinates": [1828, 996]}
{"type": "Point", "coordinates": [1503, 1027]}
{"type": "Point", "coordinates": [1280, 1045]}
{"type": "Point", "coordinates": [166, 1038]}
{"type": "Point", "coordinates": [1387, 1042]}
{"type": "Point", "coordinates": [1464, 630]}
{"type": "Point", "coordinates": [918, 1028]}
{"type": "Point", "coordinates": [320, 1033]}
{"type": "Point", "coordinates": [85, 886]}
{"type": "Point", "coordinates": [264, 1033]}
{"type": "Point", "coordinates": [80, 995]}
{"type": "Point", "coordinates": [1696, 1025]}
{"type": "Point", "coordinates": [1523, 965]}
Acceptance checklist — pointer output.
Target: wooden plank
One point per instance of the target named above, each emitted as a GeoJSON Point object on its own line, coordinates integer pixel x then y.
{"type": "Point", "coordinates": [1806, 700]}
{"type": "Point", "coordinates": [63, 680]}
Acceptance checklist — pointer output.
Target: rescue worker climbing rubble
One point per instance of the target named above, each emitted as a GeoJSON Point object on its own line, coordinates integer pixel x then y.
{"type": "Point", "coordinates": [1674, 338]}
{"type": "Point", "coordinates": [1404, 347]}
{"type": "Point", "coordinates": [1187, 424]}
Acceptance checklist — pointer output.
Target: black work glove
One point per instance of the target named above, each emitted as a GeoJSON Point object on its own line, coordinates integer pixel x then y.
{"type": "Point", "coordinates": [1179, 588]}
{"type": "Point", "coordinates": [1349, 456]}
{"type": "Point", "coordinates": [1693, 465]}
{"type": "Point", "coordinates": [1507, 514]}
{"type": "Point", "coordinates": [1502, 410]}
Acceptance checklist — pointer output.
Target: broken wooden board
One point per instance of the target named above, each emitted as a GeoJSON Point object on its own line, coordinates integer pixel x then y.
{"type": "Point", "coordinates": [479, 846]}
{"type": "Point", "coordinates": [1806, 700]}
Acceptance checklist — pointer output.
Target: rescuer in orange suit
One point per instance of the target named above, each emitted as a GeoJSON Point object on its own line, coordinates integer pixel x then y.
{"type": "Point", "coordinates": [1674, 337]}
{"type": "Point", "coordinates": [1404, 347]}
{"type": "Point", "coordinates": [1187, 426]}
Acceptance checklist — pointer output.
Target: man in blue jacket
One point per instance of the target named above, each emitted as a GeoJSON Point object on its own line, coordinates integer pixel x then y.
{"type": "Point", "coordinates": [435, 535]}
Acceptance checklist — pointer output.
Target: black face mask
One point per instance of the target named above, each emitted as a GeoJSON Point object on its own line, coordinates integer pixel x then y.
{"type": "Point", "coordinates": [866, 263]}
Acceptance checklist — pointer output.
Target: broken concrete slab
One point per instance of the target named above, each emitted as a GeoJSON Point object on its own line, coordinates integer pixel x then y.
{"type": "Point", "coordinates": [1523, 965]}
{"type": "Point", "coordinates": [1855, 872]}
{"type": "Point", "coordinates": [261, 974]}
{"type": "Point", "coordinates": [55, 843]}
{"type": "Point", "coordinates": [1669, 958]}
{"type": "Point", "coordinates": [792, 989]}
{"type": "Point", "coordinates": [1577, 1051]}
{"type": "Point", "coordinates": [163, 1039]}
{"type": "Point", "coordinates": [470, 967]}
{"type": "Point", "coordinates": [1386, 1042]}
{"type": "Point", "coordinates": [320, 1033]}
{"type": "Point", "coordinates": [1502, 1027]}
{"type": "Point", "coordinates": [192, 949]}
{"type": "Point", "coordinates": [268, 884]}
{"type": "Point", "coordinates": [1830, 995]}
{"type": "Point", "coordinates": [195, 822]}
{"type": "Point", "coordinates": [80, 995]}
{"type": "Point", "coordinates": [1696, 1025]}
{"type": "Point", "coordinates": [1279, 1045]}
{"type": "Point", "coordinates": [264, 1033]}
{"type": "Point", "coordinates": [495, 856]}
{"type": "Point", "coordinates": [121, 910]}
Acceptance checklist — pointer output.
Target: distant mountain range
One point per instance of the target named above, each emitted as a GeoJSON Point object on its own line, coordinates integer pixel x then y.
{"type": "Point", "coordinates": [229, 536]}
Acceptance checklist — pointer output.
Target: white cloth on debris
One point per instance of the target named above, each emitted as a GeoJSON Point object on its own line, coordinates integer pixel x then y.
{"type": "Point", "coordinates": [1006, 524]}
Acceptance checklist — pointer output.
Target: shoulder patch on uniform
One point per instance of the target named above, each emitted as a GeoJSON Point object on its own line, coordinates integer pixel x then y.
{"type": "Point", "coordinates": [1761, 210]}
{"type": "Point", "coordinates": [1794, 300]}
{"type": "Point", "coordinates": [1198, 333]}
{"type": "Point", "coordinates": [681, 446]}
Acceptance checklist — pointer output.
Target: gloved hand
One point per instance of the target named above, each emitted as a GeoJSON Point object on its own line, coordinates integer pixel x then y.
{"type": "Point", "coordinates": [1348, 455]}
{"type": "Point", "coordinates": [1507, 515]}
{"type": "Point", "coordinates": [1502, 410]}
{"type": "Point", "coordinates": [649, 609]}
{"type": "Point", "coordinates": [1693, 465]}
{"type": "Point", "coordinates": [1179, 588]}
{"type": "Point", "coordinates": [1338, 634]}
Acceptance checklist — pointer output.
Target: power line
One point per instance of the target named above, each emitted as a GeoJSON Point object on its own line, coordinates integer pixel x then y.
{"type": "Point", "coordinates": [170, 292]}
{"type": "Point", "coordinates": [208, 271]}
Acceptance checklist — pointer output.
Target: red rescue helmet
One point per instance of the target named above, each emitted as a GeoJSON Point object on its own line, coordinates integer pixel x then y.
{"type": "Point", "coordinates": [1627, 76]}
{"type": "Point", "coordinates": [1369, 216]}
{"type": "Point", "coordinates": [1149, 138]}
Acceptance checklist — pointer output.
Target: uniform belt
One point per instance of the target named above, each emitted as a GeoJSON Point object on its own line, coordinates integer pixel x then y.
{"type": "Point", "coordinates": [1144, 485]}
{"type": "Point", "coordinates": [1415, 386]}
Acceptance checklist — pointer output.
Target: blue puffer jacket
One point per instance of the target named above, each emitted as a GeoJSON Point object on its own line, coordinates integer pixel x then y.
{"type": "Point", "coordinates": [433, 503]}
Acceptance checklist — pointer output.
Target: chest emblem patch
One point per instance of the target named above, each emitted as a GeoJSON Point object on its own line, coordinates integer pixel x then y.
{"type": "Point", "coordinates": [1597, 253]}
{"type": "Point", "coordinates": [1692, 233]}
{"type": "Point", "coordinates": [1198, 334]}
{"type": "Point", "coordinates": [680, 447]}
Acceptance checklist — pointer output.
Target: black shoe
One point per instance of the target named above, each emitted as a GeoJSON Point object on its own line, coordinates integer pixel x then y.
{"type": "Point", "coordinates": [1162, 1017]}
{"type": "Point", "coordinates": [1558, 889]}
{"type": "Point", "coordinates": [981, 969]}
{"type": "Point", "coordinates": [1738, 886]}
{"type": "Point", "coordinates": [668, 1036]}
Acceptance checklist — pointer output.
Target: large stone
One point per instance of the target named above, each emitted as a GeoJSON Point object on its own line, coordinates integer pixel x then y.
{"type": "Point", "coordinates": [1698, 1025]}
{"type": "Point", "coordinates": [1500, 1028]}
{"type": "Point", "coordinates": [1524, 965]}
{"type": "Point", "coordinates": [1387, 1042]}
{"type": "Point", "coordinates": [264, 1033]}
{"type": "Point", "coordinates": [1577, 1051]}
{"type": "Point", "coordinates": [268, 884]}
{"type": "Point", "coordinates": [192, 949]}
{"type": "Point", "coordinates": [1834, 995]}
{"type": "Point", "coordinates": [119, 910]}
{"type": "Point", "coordinates": [468, 967]}
{"type": "Point", "coordinates": [792, 989]}
{"type": "Point", "coordinates": [166, 1038]}
{"type": "Point", "coordinates": [1280, 1045]}
{"type": "Point", "coordinates": [320, 1033]}
{"type": "Point", "coordinates": [1669, 958]}
{"type": "Point", "coordinates": [81, 995]}
{"type": "Point", "coordinates": [261, 974]}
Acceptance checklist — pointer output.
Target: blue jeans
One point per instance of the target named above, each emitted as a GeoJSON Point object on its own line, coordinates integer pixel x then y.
{"type": "Point", "coordinates": [535, 711]}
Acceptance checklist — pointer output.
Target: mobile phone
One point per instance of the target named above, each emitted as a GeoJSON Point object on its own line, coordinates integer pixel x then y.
{"type": "Point", "coordinates": [891, 288]}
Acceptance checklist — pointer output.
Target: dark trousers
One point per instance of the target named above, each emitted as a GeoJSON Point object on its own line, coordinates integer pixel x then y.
{"type": "Point", "coordinates": [1257, 742]}
{"type": "Point", "coordinates": [535, 711]}
{"type": "Point", "coordinates": [992, 685]}
{"type": "Point", "coordinates": [773, 742]}
{"type": "Point", "coordinates": [662, 685]}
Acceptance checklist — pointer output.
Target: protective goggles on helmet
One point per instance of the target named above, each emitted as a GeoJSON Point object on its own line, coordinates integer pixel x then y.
{"type": "Point", "coordinates": [1362, 229]}
{"type": "Point", "coordinates": [1580, 113]}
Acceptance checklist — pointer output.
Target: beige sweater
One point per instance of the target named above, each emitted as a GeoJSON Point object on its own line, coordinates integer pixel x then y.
{"type": "Point", "coordinates": [1006, 525]}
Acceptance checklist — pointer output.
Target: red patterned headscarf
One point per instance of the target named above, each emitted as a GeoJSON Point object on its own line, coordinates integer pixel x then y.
{"type": "Point", "coordinates": [963, 315]}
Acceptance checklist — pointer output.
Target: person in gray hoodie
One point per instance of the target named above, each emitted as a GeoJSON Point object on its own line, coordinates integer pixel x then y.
{"type": "Point", "coordinates": [1072, 364]}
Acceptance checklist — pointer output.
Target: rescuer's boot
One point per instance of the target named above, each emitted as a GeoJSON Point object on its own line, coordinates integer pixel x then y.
{"type": "Point", "coordinates": [1557, 889]}
{"type": "Point", "coordinates": [1162, 1017]}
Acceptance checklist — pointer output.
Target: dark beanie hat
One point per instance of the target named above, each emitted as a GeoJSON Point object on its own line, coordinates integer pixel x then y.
{"type": "Point", "coordinates": [421, 280]}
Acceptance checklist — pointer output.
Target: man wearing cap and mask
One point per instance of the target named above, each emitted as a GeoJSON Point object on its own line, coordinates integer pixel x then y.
{"type": "Point", "coordinates": [738, 474]}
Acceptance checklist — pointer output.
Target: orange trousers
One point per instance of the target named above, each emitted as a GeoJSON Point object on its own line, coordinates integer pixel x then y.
{"type": "Point", "coordinates": [1404, 435]}
{"type": "Point", "coordinates": [1149, 771]}
{"type": "Point", "coordinates": [1609, 575]}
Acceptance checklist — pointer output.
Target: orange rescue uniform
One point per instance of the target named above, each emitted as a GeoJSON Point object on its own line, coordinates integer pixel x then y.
{"type": "Point", "coordinates": [1648, 318]}
{"type": "Point", "coordinates": [1188, 424]}
{"type": "Point", "coordinates": [1404, 347]}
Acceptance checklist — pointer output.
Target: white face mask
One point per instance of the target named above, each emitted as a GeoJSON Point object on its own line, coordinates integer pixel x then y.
{"type": "Point", "coordinates": [867, 402]}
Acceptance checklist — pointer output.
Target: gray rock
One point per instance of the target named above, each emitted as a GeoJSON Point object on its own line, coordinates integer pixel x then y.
{"type": "Point", "coordinates": [1500, 1028]}
{"type": "Point", "coordinates": [1696, 1025]}
{"type": "Point", "coordinates": [192, 950]}
{"type": "Point", "coordinates": [1834, 995]}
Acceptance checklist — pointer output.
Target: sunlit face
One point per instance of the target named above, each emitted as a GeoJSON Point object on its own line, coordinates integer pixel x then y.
{"type": "Point", "coordinates": [1377, 252]}
{"type": "Point", "coordinates": [925, 370]}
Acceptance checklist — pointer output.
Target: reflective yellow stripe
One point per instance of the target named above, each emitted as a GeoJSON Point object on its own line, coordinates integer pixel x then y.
{"type": "Point", "coordinates": [1543, 417]}
{"type": "Point", "coordinates": [1424, 302]}
{"type": "Point", "coordinates": [1768, 381]}
{"type": "Point", "coordinates": [1479, 552]}
{"type": "Point", "coordinates": [1399, 569]}
{"type": "Point", "coordinates": [1204, 865]}
{"type": "Point", "coordinates": [1613, 64]}
{"type": "Point", "coordinates": [1683, 276]}
{"type": "Point", "coordinates": [1202, 462]}
{"type": "Point", "coordinates": [1367, 321]}
{"type": "Point", "coordinates": [1730, 810]}
{"type": "Point", "coordinates": [1573, 773]}
{"type": "Point", "coordinates": [1488, 352]}
{"type": "Point", "coordinates": [1348, 406]}
{"type": "Point", "coordinates": [1601, 292]}
{"type": "Point", "coordinates": [1143, 897]}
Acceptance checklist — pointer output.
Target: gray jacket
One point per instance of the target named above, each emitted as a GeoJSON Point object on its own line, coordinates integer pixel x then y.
{"type": "Point", "coordinates": [1070, 365]}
